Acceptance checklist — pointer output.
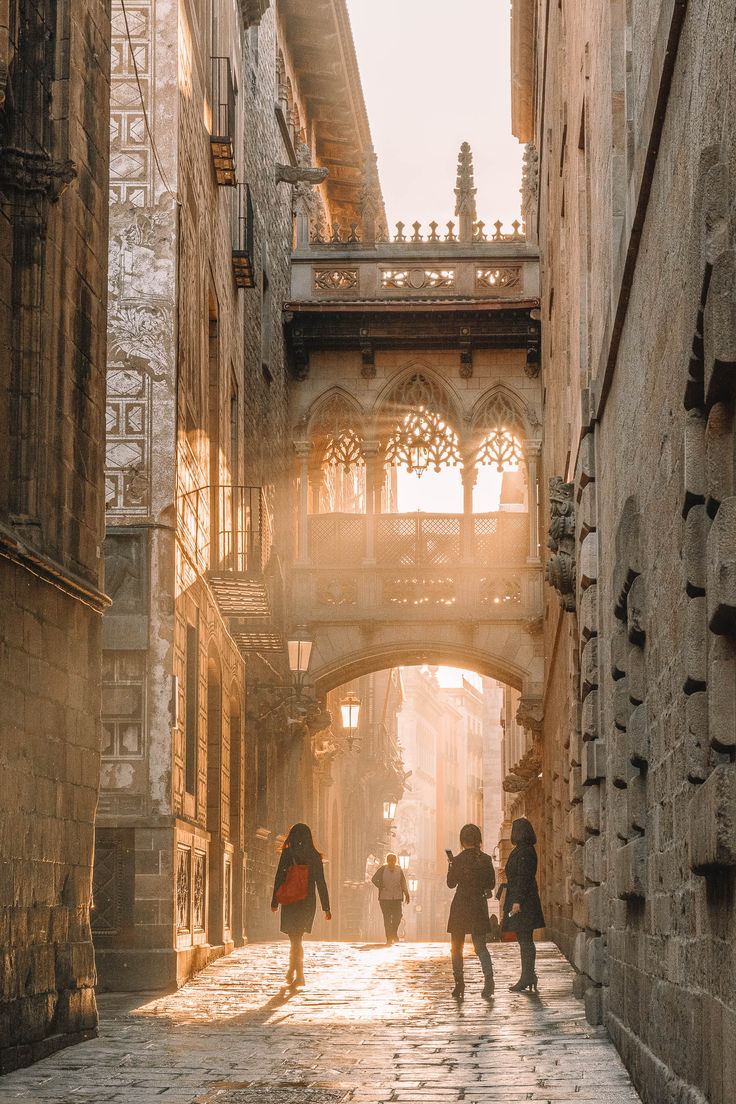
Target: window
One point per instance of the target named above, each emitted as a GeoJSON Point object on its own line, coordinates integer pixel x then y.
{"type": "Point", "coordinates": [123, 701]}
{"type": "Point", "coordinates": [192, 709]}
{"type": "Point", "coordinates": [234, 433]}
{"type": "Point", "coordinates": [266, 319]}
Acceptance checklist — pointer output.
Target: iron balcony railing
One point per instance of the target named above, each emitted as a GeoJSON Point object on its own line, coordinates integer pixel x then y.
{"type": "Point", "coordinates": [227, 529]}
{"type": "Point", "coordinates": [243, 269]}
{"type": "Point", "coordinates": [222, 138]}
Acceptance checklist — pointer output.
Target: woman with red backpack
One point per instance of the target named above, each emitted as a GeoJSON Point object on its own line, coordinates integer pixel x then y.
{"type": "Point", "coordinates": [299, 876]}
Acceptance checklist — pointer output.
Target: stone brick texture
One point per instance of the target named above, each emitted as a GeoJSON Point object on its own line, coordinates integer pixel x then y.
{"type": "Point", "coordinates": [53, 235]}
{"type": "Point", "coordinates": [660, 891]}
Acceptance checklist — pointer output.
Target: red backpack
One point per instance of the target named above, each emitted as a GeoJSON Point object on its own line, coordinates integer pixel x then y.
{"type": "Point", "coordinates": [295, 885]}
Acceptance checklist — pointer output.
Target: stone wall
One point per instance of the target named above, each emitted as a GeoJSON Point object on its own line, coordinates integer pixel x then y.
{"type": "Point", "coordinates": [53, 228]}
{"type": "Point", "coordinates": [637, 235]}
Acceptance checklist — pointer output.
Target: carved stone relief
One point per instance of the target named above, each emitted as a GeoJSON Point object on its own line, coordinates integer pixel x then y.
{"type": "Point", "coordinates": [560, 570]}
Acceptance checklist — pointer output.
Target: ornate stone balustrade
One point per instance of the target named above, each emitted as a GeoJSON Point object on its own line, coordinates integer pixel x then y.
{"type": "Point", "coordinates": [504, 267]}
{"type": "Point", "coordinates": [338, 235]}
{"type": "Point", "coordinates": [410, 565]}
{"type": "Point", "coordinates": [497, 592]}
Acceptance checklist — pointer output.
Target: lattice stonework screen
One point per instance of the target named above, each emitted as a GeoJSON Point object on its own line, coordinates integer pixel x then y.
{"type": "Point", "coordinates": [337, 538]}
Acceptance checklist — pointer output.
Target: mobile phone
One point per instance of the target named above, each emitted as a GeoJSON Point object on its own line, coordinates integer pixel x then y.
{"type": "Point", "coordinates": [449, 854]}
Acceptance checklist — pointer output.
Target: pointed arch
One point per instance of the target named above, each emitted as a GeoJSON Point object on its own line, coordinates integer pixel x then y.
{"type": "Point", "coordinates": [418, 423]}
{"type": "Point", "coordinates": [499, 428]}
{"type": "Point", "coordinates": [335, 426]}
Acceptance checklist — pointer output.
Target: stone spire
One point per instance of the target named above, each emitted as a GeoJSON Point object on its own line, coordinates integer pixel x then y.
{"type": "Point", "coordinates": [465, 194]}
{"type": "Point", "coordinates": [370, 197]}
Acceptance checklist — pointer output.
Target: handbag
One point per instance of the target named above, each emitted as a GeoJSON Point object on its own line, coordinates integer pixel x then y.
{"type": "Point", "coordinates": [295, 885]}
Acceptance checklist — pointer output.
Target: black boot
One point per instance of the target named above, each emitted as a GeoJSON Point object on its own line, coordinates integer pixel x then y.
{"type": "Point", "coordinates": [528, 979]}
{"type": "Point", "coordinates": [489, 986]}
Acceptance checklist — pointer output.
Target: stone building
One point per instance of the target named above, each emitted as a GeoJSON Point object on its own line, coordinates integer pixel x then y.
{"type": "Point", "coordinates": [54, 87]}
{"type": "Point", "coordinates": [217, 114]}
{"type": "Point", "coordinates": [628, 112]}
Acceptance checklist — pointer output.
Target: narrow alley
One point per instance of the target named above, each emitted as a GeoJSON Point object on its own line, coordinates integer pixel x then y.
{"type": "Point", "coordinates": [374, 1025]}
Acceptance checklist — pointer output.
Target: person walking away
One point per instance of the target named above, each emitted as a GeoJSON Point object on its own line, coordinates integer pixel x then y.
{"type": "Point", "coordinates": [522, 910]}
{"type": "Point", "coordinates": [299, 876]}
{"type": "Point", "coordinates": [472, 876]}
{"type": "Point", "coordinates": [390, 881]}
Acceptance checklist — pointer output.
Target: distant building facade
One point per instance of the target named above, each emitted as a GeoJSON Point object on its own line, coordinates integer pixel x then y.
{"type": "Point", "coordinates": [54, 89]}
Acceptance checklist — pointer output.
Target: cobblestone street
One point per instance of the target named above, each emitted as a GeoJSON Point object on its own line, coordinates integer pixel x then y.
{"type": "Point", "coordinates": [374, 1025]}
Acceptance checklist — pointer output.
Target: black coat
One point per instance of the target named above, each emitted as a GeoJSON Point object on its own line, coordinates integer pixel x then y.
{"type": "Point", "coordinates": [521, 878]}
{"type": "Point", "coordinates": [472, 873]}
{"type": "Point", "coordinates": [299, 917]}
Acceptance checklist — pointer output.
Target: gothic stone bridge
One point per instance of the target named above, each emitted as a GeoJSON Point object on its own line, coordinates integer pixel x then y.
{"type": "Point", "coordinates": [417, 353]}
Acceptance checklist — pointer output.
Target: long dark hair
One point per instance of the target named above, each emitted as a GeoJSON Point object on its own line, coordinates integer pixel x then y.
{"type": "Point", "coordinates": [300, 840]}
{"type": "Point", "coordinates": [522, 832]}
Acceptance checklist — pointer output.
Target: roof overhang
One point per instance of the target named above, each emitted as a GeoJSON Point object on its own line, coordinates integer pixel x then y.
{"type": "Point", "coordinates": [367, 327]}
{"type": "Point", "coordinates": [523, 64]}
{"type": "Point", "coordinates": [319, 39]}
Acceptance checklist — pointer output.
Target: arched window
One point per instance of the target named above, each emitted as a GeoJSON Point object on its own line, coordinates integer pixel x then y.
{"type": "Point", "coordinates": [501, 429]}
{"type": "Point", "coordinates": [338, 458]}
{"type": "Point", "coordinates": [419, 434]}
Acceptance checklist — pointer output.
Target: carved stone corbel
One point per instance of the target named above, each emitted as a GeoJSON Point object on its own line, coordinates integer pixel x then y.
{"type": "Point", "coordinates": [561, 570]}
{"type": "Point", "coordinates": [299, 174]}
{"type": "Point", "coordinates": [530, 714]}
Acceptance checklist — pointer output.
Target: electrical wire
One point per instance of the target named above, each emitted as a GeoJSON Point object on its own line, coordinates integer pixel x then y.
{"type": "Point", "coordinates": [154, 149]}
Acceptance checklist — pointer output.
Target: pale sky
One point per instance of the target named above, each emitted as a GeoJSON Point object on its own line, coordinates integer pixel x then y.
{"type": "Point", "coordinates": [436, 75]}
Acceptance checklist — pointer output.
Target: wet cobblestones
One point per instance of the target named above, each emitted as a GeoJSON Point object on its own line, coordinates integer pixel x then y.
{"type": "Point", "coordinates": [374, 1025]}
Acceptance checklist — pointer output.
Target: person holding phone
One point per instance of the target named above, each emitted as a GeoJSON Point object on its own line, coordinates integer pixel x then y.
{"type": "Point", "coordinates": [472, 876]}
{"type": "Point", "coordinates": [300, 863]}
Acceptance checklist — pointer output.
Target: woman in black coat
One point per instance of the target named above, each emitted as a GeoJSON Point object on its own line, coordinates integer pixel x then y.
{"type": "Point", "coordinates": [298, 917]}
{"type": "Point", "coordinates": [522, 910]}
{"type": "Point", "coordinates": [472, 876]}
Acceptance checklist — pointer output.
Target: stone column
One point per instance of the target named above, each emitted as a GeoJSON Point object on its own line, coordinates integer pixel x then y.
{"type": "Point", "coordinates": [315, 487]}
{"type": "Point", "coordinates": [303, 451]}
{"type": "Point", "coordinates": [370, 451]}
{"type": "Point", "coordinates": [533, 450]}
{"type": "Point", "coordinates": [469, 477]}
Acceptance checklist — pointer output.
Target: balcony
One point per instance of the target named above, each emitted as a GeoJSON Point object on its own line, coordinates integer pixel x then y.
{"type": "Point", "coordinates": [243, 268]}
{"type": "Point", "coordinates": [409, 565]}
{"type": "Point", "coordinates": [222, 138]}
{"type": "Point", "coordinates": [227, 533]}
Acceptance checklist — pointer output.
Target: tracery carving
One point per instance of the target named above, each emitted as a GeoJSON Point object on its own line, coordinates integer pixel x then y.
{"type": "Point", "coordinates": [561, 570]}
{"type": "Point", "coordinates": [336, 441]}
{"type": "Point", "coordinates": [338, 592]}
{"type": "Point", "coordinates": [502, 443]}
{"type": "Point", "coordinates": [198, 894]}
{"type": "Point", "coordinates": [26, 172]}
{"type": "Point", "coordinates": [415, 279]}
{"type": "Point", "coordinates": [335, 279]}
{"type": "Point", "coordinates": [497, 277]}
{"type": "Point", "coordinates": [183, 883]}
{"type": "Point", "coordinates": [420, 435]}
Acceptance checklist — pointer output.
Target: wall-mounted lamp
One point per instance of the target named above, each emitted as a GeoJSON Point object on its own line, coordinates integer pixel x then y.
{"type": "Point", "coordinates": [412, 883]}
{"type": "Point", "coordinates": [404, 858]}
{"type": "Point", "coordinates": [350, 714]}
{"type": "Point", "coordinates": [299, 652]}
{"type": "Point", "coordinates": [389, 810]}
